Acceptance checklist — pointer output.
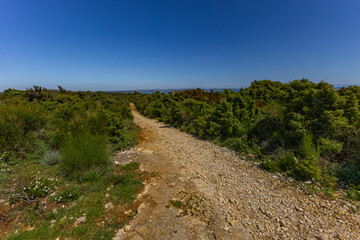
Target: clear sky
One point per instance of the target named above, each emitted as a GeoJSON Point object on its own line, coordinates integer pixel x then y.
{"type": "Point", "coordinates": [146, 44]}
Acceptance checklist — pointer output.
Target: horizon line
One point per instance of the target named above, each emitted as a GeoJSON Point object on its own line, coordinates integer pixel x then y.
{"type": "Point", "coordinates": [164, 89]}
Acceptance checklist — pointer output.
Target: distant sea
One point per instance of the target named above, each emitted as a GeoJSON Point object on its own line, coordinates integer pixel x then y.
{"type": "Point", "coordinates": [166, 91]}
{"type": "Point", "coordinates": [177, 90]}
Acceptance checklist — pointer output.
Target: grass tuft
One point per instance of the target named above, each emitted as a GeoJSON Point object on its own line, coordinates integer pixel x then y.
{"type": "Point", "coordinates": [84, 153]}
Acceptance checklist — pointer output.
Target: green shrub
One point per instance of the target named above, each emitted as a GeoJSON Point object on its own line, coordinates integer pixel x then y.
{"type": "Point", "coordinates": [83, 153]}
{"type": "Point", "coordinates": [307, 147]}
{"type": "Point", "coordinates": [329, 176]}
{"type": "Point", "coordinates": [39, 149]}
{"type": "Point", "coordinates": [118, 130]}
{"type": "Point", "coordinates": [354, 192]}
{"type": "Point", "coordinates": [16, 120]}
{"type": "Point", "coordinates": [287, 163]}
{"type": "Point", "coordinates": [307, 169]}
{"type": "Point", "coordinates": [330, 147]}
{"type": "Point", "coordinates": [271, 165]}
{"type": "Point", "coordinates": [237, 144]}
{"type": "Point", "coordinates": [52, 157]}
{"type": "Point", "coordinates": [350, 173]}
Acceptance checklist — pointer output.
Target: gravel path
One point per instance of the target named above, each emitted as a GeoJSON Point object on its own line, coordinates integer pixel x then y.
{"type": "Point", "coordinates": [224, 197]}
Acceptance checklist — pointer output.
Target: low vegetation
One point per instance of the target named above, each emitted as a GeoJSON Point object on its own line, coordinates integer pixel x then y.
{"type": "Point", "coordinates": [55, 164]}
{"type": "Point", "coordinates": [309, 131]}
{"type": "Point", "coordinates": [58, 180]}
{"type": "Point", "coordinates": [83, 154]}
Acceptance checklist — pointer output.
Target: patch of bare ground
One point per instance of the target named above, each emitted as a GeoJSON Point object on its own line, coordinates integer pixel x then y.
{"type": "Point", "coordinates": [203, 191]}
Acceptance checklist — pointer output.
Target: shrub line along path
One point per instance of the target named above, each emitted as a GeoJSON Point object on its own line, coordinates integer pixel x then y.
{"type": "Point", "coordinates": [203, 191]}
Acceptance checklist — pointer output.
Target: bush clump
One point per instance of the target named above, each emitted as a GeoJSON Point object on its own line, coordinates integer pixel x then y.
{"type": "Point", "coordinates": [51, 158]}
{"type": "Point", "coordinates": [354, 192]}
{"type": "Point", "coordinates": [307, 169]}
{"type": "Point", "coordinates": [16, 123]}
{"type": "Point", "coordinates": [286, 163]}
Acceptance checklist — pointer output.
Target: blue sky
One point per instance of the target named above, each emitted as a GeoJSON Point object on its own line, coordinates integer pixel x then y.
{"type": "Point", "coordinates": [118, 45]}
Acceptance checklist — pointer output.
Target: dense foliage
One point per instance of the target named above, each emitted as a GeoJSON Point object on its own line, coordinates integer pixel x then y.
{"type": "Point", "coordinates": [73, 128]}
{"type": "Point", "coordinates": [57, 117]}
{"type": "Point", "coordinates": [308, 130]}
{"type": "Point", "coordinates": [55, 153]}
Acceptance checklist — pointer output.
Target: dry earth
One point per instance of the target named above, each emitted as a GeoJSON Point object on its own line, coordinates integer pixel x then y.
{"type": "Point", "coordinates": [203, 191]}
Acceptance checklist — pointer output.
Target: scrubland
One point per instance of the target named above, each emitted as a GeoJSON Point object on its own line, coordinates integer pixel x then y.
{"type": "Point", "coordinates": [62, 175]}
{"type": "Point", "coordinates": [57, 177]}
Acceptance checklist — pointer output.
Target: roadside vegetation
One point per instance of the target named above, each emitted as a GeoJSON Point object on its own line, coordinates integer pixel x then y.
{"type": "Point", "coordinates": [57, 178]}
{"type": "Point", "coordinates": [309, 131]}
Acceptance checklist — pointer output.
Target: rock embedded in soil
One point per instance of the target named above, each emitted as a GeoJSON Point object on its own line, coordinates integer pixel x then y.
{"type": "Point", "coordinates": [80, 220]}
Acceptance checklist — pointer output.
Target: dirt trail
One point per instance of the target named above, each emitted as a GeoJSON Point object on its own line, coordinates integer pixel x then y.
{"type": "Point", "coordinates": [224, 197]}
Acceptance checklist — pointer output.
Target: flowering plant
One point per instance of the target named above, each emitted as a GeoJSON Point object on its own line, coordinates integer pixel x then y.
{"type": "Point", "coordinates": [4, 167]}
{"type": "Point", "coordinates": [40, 187]}
{"type": "Point", "coordinates": [69, 194]}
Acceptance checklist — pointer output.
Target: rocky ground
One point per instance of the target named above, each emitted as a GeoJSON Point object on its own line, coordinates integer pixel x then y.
{"type": "Point", "coordinates": [202, 191]}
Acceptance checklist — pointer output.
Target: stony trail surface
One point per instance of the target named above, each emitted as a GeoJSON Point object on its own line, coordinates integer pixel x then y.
{"type": "Point", "coordinates": [203, 191]}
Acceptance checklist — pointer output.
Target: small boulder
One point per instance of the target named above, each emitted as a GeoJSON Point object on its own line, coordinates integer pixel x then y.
{"type": "Point", "coordinates": [80, 220]}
